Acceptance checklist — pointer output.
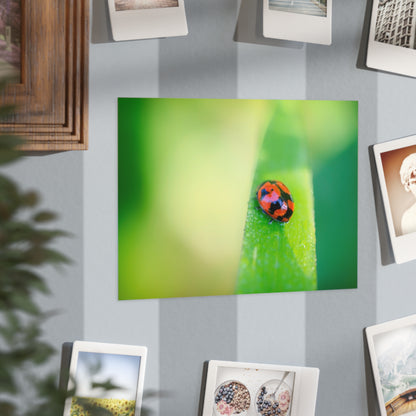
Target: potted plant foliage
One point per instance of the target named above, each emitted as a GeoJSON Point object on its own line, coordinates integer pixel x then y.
{"type": "Point", "coordinates": [26, 246]}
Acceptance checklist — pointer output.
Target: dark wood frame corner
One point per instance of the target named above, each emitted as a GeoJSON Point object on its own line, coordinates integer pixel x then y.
{"type": "Point", "coordinates": [51, 100]}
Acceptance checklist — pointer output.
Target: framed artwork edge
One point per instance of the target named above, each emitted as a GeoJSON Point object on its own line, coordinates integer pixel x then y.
{"type": "Point", "coordinates": [51, 115]}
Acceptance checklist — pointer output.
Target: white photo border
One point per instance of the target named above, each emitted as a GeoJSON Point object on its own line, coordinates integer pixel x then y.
{"type": "Point", "coordinates": [104, 348]}
{"type": "Point", "coordinates": [304, 392]}
{"type": "Point", "coordinates": [297, 27]}
{"type": "Point", "coordinates": [148, 23]}
{"type": "Point", "coordinates": [373, 331]}
{"type": "Point", "coordinates": [386, 57]}
{"type": "Point", "coordinates": [404, 245]}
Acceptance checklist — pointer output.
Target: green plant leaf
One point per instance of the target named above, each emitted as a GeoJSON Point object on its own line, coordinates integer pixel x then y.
{"type": "Point", "coordinates": [106, 385]}
{"type": "Point", "coordinates": [23, 302]}
{"type": "Point", "coordinates": [28, 279]}
{"type": "Point", "coordinates": [281, 257]}
{"type": "Point", "coordinates": [7, 408]}
{"type": "Point", "coordinates": [41, 352]}
{"type": "Point", "coordinates": [8, 156]}
{"type": "Point", "coordinates": [29, 199]}
{"type": "Point", "coordinates": [5, 110]}
{"type": "Point", "coordinates": [7, 382]}
{"type": "Point", "coordinates": [39, 255]}
{"type": "Point", "coordinates": [24, 249]}
{"type": "Point", "coordinates": [44, 216]}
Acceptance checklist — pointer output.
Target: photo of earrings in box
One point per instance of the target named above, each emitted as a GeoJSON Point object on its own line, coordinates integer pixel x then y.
{"type": "Point", "coordinates": [245, 389]}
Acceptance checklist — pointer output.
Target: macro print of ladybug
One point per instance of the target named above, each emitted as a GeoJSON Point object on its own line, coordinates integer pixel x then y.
{"type": "Point", "coordinates": [276, 201]}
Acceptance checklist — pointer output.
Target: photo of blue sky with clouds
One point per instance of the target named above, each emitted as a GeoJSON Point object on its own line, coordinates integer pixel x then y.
{"type": "Point", "coordinates": [121, 370]}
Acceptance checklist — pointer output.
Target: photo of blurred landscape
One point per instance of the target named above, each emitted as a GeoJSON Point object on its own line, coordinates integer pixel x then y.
{"type": "Point", "coordinates": [396, 362]}
{"type": "Point", "coordinates": [122, 5]}
{"type": "Point", "coordinates": [95, 370]}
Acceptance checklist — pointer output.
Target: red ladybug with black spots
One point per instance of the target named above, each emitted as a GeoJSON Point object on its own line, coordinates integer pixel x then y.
{"type": "Point", "coordinates": [275, 200]}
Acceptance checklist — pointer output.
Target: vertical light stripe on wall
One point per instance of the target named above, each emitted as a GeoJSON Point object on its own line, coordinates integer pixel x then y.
{"type": "Point", "coordinates": [192, 330]}
{"type": "Point", "coordinates": [123, 69]}
{"type": "Point", "coordinates": [271, 72]}
{"type": "Point", "coordinates": [335, 319]}
{"type": "Point", "coordinates": [202, 64]}
{"type": "Point", "coordinates": [396, 118]}
{"type": "Point", "coordinates": [57, 178]}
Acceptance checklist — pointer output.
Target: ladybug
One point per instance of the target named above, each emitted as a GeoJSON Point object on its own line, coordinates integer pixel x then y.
{"type": "Point", "coordinates": [275, 200]}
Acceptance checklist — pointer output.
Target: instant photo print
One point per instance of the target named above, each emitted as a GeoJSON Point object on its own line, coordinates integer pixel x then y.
{"type": "Point", "coordinates": [392, 349]}
{"type": "Point", "coordinates": [392, 40]}
{"type": "Point", "coordinates": [146, 19]}
{"type": "Point", "coordinates": [108, 376]}
{"type": "Point", "coordinates": [234, 388]}
{"type": "Point", "coordinates": [396, 168]}
{"type": "Point", "coordinates": [307, 21]}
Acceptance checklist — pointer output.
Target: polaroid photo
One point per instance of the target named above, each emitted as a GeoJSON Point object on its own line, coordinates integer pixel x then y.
{"type": "Point", "coordinates": [298, 20]}
{"type": "Point", "coordinates": [392, 40]}
{"type": "Point", "coordinates": [396, 168]}
{"type": "Point", "coordinates": [392, 348]}
{"type": "Point", "coordinates": [146, 19]}
{"type": "Point", "coordinates": [244, 389]}
{"type": "Point", "coordinates": [108, 376]}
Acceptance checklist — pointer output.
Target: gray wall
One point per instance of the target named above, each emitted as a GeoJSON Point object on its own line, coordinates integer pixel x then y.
{"type": "Point", "coordinates": [325, 327]}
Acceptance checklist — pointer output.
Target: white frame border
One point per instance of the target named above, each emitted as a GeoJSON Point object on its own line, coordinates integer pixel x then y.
{"type": "Point", "coordinates": [297, 27]}
{"type": "Point", "coordinates": [371, 331]}
{"type": "Point", "coordinates": [385, 57]}
{"type": "Point", "coordinates": [104, 348]}
{"type": "Point", "coordinates": [148, 23]}
{"type": "Point", "coordinates": [304, 392]}
{"type": "Point", "coordinates": [403, 245]}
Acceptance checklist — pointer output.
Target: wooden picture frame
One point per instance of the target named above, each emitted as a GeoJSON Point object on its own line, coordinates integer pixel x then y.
{"type": "Point", "coordinates": [51, 99]}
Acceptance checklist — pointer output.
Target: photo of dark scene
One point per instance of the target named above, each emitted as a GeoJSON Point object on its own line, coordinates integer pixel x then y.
{"type": "Point", "coordinates": [122, 5]}
{"type": "Point", "coordinates": [396, 23]}
{"type": "Point", "coordinates": [310, 7]}
{"type": "Point", "coordinates": [10, 38]}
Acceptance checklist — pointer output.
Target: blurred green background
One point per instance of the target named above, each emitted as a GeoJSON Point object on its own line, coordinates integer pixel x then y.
{"type": "Point", "coordinates": [187, 217]}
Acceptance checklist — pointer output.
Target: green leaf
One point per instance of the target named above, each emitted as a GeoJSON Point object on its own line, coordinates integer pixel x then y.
{"type": "Point", "coordinates": [29, 199]}
{"type": "Point", "coordinates": [41, 353]}
{"type": "Point", "coordinates": [281, 257]}
{"type": "Point", "coordinates": [7, 382]}
{"type": "Point", "coordinates": [38, 255]}
{"type": "Point", "coordinates": [6, 110]}
{"type": "Point", "coordinates": [106, 385]}
{"type": "Point", "coordinates": [7, 408]}
{"type": "Point", "coordinates": [28, 279]}
{"type": "Point", "coordinates": [24, 303]}
{"type": "Point", "coordinates": [8, 156]}
{"type": "Point", "coordinates": [44, 216]}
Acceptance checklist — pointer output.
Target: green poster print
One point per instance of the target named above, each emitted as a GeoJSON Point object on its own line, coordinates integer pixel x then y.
{"type": "Point", "coordinates": [189, 221]}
